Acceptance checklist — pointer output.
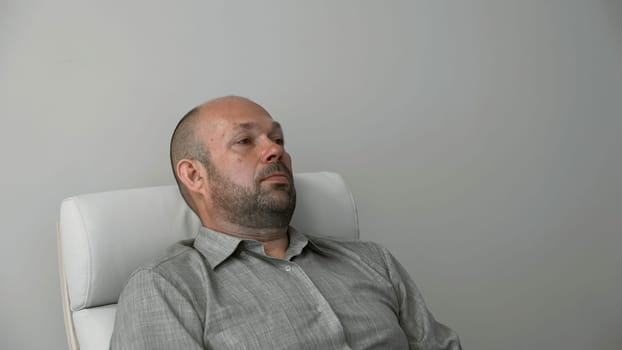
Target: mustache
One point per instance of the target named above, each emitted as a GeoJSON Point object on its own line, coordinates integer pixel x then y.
{"type": "Point", "coordinates": [274, 168]}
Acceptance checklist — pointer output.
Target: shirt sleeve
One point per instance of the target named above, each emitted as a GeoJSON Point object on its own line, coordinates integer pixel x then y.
{"type": "Point", "coordinates": [153, 314]}
{"type": "Point", "coordinates": [421, 329]}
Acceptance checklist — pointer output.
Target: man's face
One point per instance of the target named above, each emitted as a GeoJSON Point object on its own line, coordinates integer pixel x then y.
{"type": "Point", "coordinates": [249, 172]}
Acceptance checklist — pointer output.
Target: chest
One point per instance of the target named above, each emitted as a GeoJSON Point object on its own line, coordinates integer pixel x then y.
{"type": "Point", "coordinates": [312, 302]}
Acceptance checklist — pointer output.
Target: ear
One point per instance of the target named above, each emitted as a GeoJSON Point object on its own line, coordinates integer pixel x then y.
{"type": "Point", "coordinates": [192, 174]}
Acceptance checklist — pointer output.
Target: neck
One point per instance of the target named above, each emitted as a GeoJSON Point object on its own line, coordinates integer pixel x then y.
{"type": "Point", "coordinates": [275, 240]}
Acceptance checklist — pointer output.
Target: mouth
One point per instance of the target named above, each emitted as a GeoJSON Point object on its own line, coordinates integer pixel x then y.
{"type": "Point", "coordinates": [276, 177]}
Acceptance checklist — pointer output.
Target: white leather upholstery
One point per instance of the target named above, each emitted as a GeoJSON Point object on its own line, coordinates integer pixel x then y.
{"type": "Point", "coordinates": [93, 326]}
{"type": "Point", "coordinates": [105, 236]}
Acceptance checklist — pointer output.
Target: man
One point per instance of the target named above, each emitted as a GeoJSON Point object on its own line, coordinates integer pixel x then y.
{"type": "Point", "coordinates": [249, 280]}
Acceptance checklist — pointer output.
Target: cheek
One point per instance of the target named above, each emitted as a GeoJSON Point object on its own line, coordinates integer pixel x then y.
{"type": "Point", "coordinates": [237, 170]}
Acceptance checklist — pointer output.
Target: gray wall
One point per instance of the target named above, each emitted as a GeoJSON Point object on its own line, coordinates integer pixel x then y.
{"type": "Point", "coordinates": [480, 139]}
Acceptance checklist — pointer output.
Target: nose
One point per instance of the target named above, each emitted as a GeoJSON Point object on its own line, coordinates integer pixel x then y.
{"type": "Point", "coordinates": [273, 152]}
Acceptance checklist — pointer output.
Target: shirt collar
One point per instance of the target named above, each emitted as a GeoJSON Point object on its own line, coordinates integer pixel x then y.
{"type": "Point", "coordinates": [297, 242]}
{"type": "Point", "coordinates": [216, 247]}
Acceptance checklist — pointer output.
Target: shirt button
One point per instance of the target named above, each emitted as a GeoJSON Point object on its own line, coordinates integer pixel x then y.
{"type": "Point", "coordinates": [318, 309]}
{"type": "Point", "coordinates": [288, 268]}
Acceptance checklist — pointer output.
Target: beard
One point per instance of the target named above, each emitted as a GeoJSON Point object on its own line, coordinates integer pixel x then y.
{"type": "Point", "coordinates": [262, 206]}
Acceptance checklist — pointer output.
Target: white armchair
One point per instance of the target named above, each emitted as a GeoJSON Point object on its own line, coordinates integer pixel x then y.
{"type": "Point", "coordinates": [103, 237]}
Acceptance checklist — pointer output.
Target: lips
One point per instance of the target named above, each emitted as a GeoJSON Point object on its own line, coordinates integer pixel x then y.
{"type": "Point", "coordinates": [276, 173]}
{"type": "Point", "coordinates": [276, 177]}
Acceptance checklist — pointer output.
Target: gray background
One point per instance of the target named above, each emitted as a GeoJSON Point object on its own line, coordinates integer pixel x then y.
{"type": "Point", "coordinates": [480, 139]}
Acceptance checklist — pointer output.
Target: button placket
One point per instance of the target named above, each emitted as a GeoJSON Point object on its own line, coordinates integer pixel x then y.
{"type": "Point", "coordinates": [318, 303]}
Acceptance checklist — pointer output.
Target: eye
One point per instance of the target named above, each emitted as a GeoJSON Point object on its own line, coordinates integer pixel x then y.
{"type": "Point", "coordinates": [279, 141]}
{"type": "Point", "coordinates": [244, 141]}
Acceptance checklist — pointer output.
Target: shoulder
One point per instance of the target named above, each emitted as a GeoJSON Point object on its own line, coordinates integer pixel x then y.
{"type": "Point", "coordinates": [354, 245]}
{"type": "Point", "coordinates": [363, 248]}
{"type": "Point", "coordinates": [370, 253]}
{"type": "Point", "coordinates": [170, 258]}
{"type": "Point", "coordinates": [178, 266]}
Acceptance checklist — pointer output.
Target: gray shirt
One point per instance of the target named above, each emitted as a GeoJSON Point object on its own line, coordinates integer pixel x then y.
{"type": "Point", "coordinates": [221, 292]}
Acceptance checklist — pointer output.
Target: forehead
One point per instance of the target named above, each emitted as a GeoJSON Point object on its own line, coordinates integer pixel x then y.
{"type": "Point", "coordinates": [254, 126]}
{"type": "Point", "coordinates": [228, 118]}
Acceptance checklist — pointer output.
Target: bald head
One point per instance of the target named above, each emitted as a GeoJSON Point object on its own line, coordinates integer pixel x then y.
{"type": "Point", "coordinates": [223, 106]}
{"type": "Point", "coordinates": [186, 142]}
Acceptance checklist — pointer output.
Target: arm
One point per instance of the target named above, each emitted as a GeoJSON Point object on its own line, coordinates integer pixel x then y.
{"type": "Point", "coordinates": [421, 329]}
{"type": "Point", "coordinates": [153, 314]}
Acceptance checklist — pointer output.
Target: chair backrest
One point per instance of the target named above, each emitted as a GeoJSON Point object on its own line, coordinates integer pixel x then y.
{"type": "Point", "coordinates": [103, 237]}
